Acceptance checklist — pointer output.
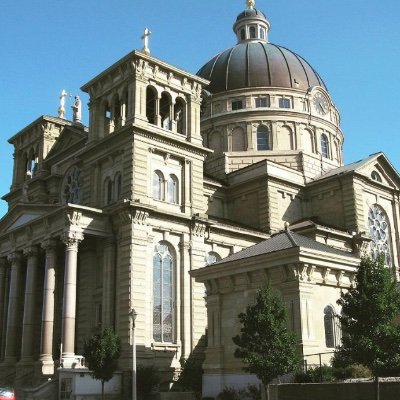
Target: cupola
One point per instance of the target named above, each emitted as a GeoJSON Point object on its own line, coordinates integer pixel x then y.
{"type": "Point", "coordinates": [251, 25]}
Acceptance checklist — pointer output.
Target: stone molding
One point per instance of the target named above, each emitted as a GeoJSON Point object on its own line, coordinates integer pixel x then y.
{"type": "Point", "coordinates": [72, 239]}
{"type": "Point", "coordinates": [31, 251]}
{"type": "Point", "coordinates": [14, 257]}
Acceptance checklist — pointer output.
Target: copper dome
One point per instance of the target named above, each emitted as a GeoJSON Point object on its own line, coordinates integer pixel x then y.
{"type": "Point", "coordinates": [252, 64]}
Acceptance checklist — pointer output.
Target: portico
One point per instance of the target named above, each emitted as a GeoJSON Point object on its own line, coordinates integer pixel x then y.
{"type": "Point", "coordinates": [38, 269]}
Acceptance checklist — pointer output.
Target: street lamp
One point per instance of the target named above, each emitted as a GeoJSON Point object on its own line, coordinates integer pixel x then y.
{"type": "Point", "coordinates": [132, 316]}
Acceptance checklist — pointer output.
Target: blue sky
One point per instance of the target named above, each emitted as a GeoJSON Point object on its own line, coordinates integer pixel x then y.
{"type": "Point", "coordinates": [49, 45]}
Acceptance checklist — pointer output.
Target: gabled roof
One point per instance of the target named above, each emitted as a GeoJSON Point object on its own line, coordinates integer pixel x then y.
{"type": "Point", "coordinates": [282, 241]}
{"type": "Point", "coordinates": [358, 166]}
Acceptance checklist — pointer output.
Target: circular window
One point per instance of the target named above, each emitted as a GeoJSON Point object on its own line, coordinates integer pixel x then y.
{"type": "Point", "coordinates": [71, 188]}
{"type": "Point", "coordinates": [379, 231]}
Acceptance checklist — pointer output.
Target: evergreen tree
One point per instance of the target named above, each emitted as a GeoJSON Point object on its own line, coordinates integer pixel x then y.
{"type": "Point", "coordinates": [370, 336]}
{"type": "Point", "coordinates": [265, 344]}
{"type": "Point", "coordinates": [101, 352]}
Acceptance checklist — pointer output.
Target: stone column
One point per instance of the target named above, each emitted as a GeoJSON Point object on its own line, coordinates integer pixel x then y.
{"type": "Point", "coordinates": [71, 240]}
{"type": "Point", "coordinates": [32, 254]}
{"type": "Point", "coordinates": [3, 266]}
{"type": "Point", "coordinates": [13, 314]}
{"type": "Point", "coordinates": [46, 340]}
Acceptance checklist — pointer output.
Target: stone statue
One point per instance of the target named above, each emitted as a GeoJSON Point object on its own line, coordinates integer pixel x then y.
{"type": "Point", "coordinates": [61, 109]}
{"type": "Point", "coordinates": [77, 110]}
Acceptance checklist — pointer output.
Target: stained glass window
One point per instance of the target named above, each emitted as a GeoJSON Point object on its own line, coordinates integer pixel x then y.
{"type": "Point", "coordinates": [380, 233]}
{"type": "Point", "coordinates": [163, 304]}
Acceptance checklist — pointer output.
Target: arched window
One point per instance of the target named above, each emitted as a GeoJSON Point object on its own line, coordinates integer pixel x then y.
{"type": "Point", "coordinates": [263, 138]}
{"type": "Point", "coordinates": [165, 111]}
{"type": "Point", "coordinates": [173, 189]}
{"type": "Point", "coordinates": [151, 101]}
{"type": "Point", "coordinates": [332, 335]}
{"type": "Point", "coordinates": [242, 34]}
{"type": "Point", "coordinates": [252, 31]}
{"type": "Point", "coordinates": [106, 118]}
{"type": "Point", "coordinates": [262, 33]}
{"type": "Point", "coordinates": [158, 185]}
{"type": "Point", "coordinates": [212, 258]}
{"type": "Point", "coordinates": [379, 230]}
{"type": "Point", "coordinates": [163, 298]}
{"type": "Point", "coordinates": [324, 146]}
{"type": "Point", "coordinates": [180, 116]}
{"type": "Point", "coordinates": [375, 176]}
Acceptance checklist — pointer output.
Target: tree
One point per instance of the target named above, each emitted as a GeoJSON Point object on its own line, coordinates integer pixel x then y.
{"type": "Point", "coordinates": [370, 336]}
{"type": "Point", "coordinates": [265, 344]}
{"type": "Point", "coordinates": [101, 352]}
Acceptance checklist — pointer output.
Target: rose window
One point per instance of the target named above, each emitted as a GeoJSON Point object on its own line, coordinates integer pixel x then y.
{"type": "Point", "coordinates": [379, 231]}
{"type": "Point", "coordinates": [71, 186]}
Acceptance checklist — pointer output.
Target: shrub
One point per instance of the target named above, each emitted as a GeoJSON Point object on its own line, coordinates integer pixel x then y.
{"type": "Point", "coordinates": [146, 380]}
{"type": "Point", "coordinates": [191, 375]}
{"type": "Point", "coordinates": [252, 392]}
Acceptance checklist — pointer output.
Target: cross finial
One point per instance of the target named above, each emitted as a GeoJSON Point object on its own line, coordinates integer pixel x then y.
{"type": "Point", "coordinates": [145, 39]}
{"type": "Point", "coordinates": [251, 4]}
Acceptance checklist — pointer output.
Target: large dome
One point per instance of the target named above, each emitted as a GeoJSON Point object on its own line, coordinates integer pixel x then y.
{"type": "Point", "coordinates": [256, 64]}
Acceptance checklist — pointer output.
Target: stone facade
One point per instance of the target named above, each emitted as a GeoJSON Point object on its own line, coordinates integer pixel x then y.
{"type": "Point", "coordinates": [167, 179]}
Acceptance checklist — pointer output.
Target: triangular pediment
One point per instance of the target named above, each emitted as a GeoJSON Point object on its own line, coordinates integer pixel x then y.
{"type": "Point", "coordinates": [23, 214]}
{"type": "Point", "coordinates": [376, 168]}
{"type": "Point", "coordinates": [67, 139]}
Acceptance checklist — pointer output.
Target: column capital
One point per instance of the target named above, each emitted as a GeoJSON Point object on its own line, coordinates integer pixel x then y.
{"type": "Point", "coordinates": [31, 251]}
{"type": "Point", "coordinates": [72, 238]}
{"type": "Point", "coordinates": [49, 244]}
{"type": "Point", "coordinates": [14, 257]}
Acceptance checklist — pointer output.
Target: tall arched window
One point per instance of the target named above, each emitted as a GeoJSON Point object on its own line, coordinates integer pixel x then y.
{"type": "Point", "coordinates": [252, 31]}
{"type": "Point", "coordinates": [151, 100]}
{"type": "Point", "coordinates": [165, 110]}
{"type": "Point", "coordinates": [163, 298]}
{"type": "Point", "coordinates": [173, 189]}
{"type": "Point", "coordinates": [379, 230]}
{"type": "Point", "coordinates": [158, 185]}
{"type": "Point", "coordinates": [109, 191]}
{"type": "Point", "coordinates": [324, 146]}
{"type": "Point", "coordinates": [331, 328]}
{"type": "Point", "coordinates": [242, 34]}
{"type": "Point", "coordinates": [263, 138]}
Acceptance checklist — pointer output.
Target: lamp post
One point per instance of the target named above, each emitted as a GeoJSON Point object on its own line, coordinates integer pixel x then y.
{"type": "Point", "coordinates": [132, 316]}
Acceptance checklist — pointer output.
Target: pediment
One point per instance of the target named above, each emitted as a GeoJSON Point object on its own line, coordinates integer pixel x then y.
{"type": "Point", "coordinates": [22, 215]}
{"type": "Point", "coordinates": [379, 169]}
{"type": "Point", "coordinates": [67, 139]}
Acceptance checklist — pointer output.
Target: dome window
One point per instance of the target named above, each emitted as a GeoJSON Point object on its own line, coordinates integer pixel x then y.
{"type": "Point", "coordinates": [284, 103]}
{"type": "Point", "coordinates": [262, 102]}
{"type": "Point", "coordinates": [376, 177]}
{"type": "Point", "coordinates": [252, 32]}
{"type": "Point", "coordinates": [237, 105]}
{"type": "Point", "coordinates": [262, 33]}
{"type": "Point", "coordinates": [242, 34]}
{"type": "Point", "coordinates": [263, 138]}
{"type": "Point", "coordinates": [324, 146]}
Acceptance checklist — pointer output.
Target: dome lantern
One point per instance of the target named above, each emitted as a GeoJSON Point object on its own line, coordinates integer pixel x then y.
{"type": "Point", "coordinates": [251, 25]}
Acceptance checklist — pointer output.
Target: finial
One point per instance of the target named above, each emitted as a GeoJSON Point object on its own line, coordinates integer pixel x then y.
{"type": "Point", "coordinates": [61, 109]}
{"type": "Point", "coordinates": [145, 39]}
{"type": "Point", "coordinates": [251, 4]}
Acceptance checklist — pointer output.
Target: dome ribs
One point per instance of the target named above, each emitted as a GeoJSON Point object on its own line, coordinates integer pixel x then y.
{"type": "Point", "coordinates": [268, 65]}
{"type": "Point", "coordinates": [279, 77]}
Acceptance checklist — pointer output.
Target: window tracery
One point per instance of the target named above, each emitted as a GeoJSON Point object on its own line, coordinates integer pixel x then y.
{"type": "Point", "coordinates": [379, 230]}
{"type": "Point", "coordinates": [71, 188]}
{"type": "Point", "coordinates": [163, 299]}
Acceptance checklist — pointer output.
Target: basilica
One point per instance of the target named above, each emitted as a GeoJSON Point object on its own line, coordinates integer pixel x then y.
{"type": "Point", "coordinates": [184, 195]}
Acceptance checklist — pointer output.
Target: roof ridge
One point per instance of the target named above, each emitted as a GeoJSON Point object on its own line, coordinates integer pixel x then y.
{"type": "Point", "coordinates": [291, 238]}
